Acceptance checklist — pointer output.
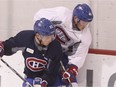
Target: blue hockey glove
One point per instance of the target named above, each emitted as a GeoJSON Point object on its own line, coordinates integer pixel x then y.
{"type": "Point", "coordinates": [70, 74]}
{"type": "Point", "coordinates": [1, 49]}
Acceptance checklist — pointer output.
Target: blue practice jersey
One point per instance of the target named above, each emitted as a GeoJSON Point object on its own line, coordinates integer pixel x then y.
{"type": "Point", "coordinates": [44, 63]}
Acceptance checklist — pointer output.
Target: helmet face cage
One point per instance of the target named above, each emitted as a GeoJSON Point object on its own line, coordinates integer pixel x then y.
{"type": "Point", "coordinates": [44, 27]}
{"type": "Point", "coordinates": [83, 12]}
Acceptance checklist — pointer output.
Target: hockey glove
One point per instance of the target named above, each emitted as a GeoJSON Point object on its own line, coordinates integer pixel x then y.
{"type": "Point", "coordinates": [39, 83]}
{"type": "Point", "coordinates": [1, 49]}
{"type": "Point", "coordinates": [70, 74]}
{"type": "Point", "coordinates": [44, 83]}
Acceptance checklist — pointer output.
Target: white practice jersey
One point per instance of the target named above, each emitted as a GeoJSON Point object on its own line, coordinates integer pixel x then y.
{"type": "Point", "coordinates": [64, 15]}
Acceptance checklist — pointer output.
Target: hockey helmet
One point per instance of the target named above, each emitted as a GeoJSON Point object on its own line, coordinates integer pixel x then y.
{"type": "Point", "coordinates": [83, 12]}
{"type": "Point", "coordinates": [44, 27]}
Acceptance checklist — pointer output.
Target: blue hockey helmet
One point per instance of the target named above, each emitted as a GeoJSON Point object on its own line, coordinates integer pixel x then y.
{"type": "Point", "coordinates": [83, 12]}
{"type": "Point", "coordinates": [44, 27]}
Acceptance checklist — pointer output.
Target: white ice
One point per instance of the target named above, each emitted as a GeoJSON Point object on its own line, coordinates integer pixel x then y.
{"type": "Point", "coordinates": [7, 77]}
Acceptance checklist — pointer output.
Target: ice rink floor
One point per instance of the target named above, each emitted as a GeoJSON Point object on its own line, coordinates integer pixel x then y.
{"type": "Point", "coordinates": [7, 77]}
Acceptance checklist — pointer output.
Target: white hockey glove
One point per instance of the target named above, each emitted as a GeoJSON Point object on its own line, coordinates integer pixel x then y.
{"type": "Point", "coordinates": [38, 82]}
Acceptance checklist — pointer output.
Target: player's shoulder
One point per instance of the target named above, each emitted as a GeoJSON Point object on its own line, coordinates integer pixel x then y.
{"type": "Point", "coordinates": [53, 46]}
{"type": "Point", "coordinates": [55, 43]}
{"type": "Point", "coordinates": [25, 33]}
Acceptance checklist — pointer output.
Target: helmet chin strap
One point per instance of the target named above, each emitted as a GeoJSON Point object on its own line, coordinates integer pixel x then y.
{"type": "Point", "coordinates": [76, 26]}
{"type": "Point", "coordinates": [39, 41]}
{"type": "Point", "coordinates": [40, 47]}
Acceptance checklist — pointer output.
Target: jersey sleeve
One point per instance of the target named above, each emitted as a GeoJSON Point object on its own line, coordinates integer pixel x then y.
{"type": "Point", "coordinates": [79, 57]}
{"type": "Point", "coordinates": [13, 44]}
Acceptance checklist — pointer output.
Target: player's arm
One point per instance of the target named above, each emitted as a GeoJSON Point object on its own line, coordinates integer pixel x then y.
{"type": "Point", "coordinates": [76, 61]}
{"type": "Point", "coordinates": [13, 44]}
{"type": "Point", "coordinates": [79, 57]}
{"type": "Point", "coordinates": [6, 47]}
{"type": "Point", "coordinates": [53, 67]}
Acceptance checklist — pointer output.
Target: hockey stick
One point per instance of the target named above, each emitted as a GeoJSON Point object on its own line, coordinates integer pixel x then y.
{"type": "Point", "coordinates": [15, 72]}
{"type": "Point", "coordinates": [65, 71]}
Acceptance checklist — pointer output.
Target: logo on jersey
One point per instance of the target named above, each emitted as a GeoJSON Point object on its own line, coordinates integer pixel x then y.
{"type": "Point", "coordinates": [35, 64]}
{"type": "Point", "coordinates": [61, 35]}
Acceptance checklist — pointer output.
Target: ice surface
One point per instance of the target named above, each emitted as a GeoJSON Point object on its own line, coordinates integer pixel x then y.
{"type": "Point", "coordinates": [8, 77]}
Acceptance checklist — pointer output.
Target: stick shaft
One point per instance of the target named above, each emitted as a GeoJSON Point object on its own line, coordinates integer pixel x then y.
{"type": "Point", "coordinates": [65, 71]}
{"type": "Point", "coordinates": [15, 72]}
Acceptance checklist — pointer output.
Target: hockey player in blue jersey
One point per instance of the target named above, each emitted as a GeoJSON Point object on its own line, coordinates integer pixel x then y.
{"type": "Point", "coordinates": [42, 53]}
{"type": "Point", "coordinates": [73, 32]}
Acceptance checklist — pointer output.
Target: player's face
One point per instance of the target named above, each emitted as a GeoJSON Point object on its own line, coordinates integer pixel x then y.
{"type": "Point", "coordinates": [80, 24]}
{"type": "Point", "coordinates": [45, 40]}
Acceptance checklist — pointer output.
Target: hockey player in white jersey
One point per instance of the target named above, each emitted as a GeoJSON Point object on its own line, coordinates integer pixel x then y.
{"type": "Point", "coordinates": [73, 33]}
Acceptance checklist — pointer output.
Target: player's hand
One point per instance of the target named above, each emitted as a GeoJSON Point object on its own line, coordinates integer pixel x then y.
{"type": "Point", "coordinates": [1, 49]}
{"type": "Point", "coordinates": [44, 83]}
{"type": "Point", "coordinates": [70, 73]}
{"type": "Point", "coordinates": [38, 82]}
